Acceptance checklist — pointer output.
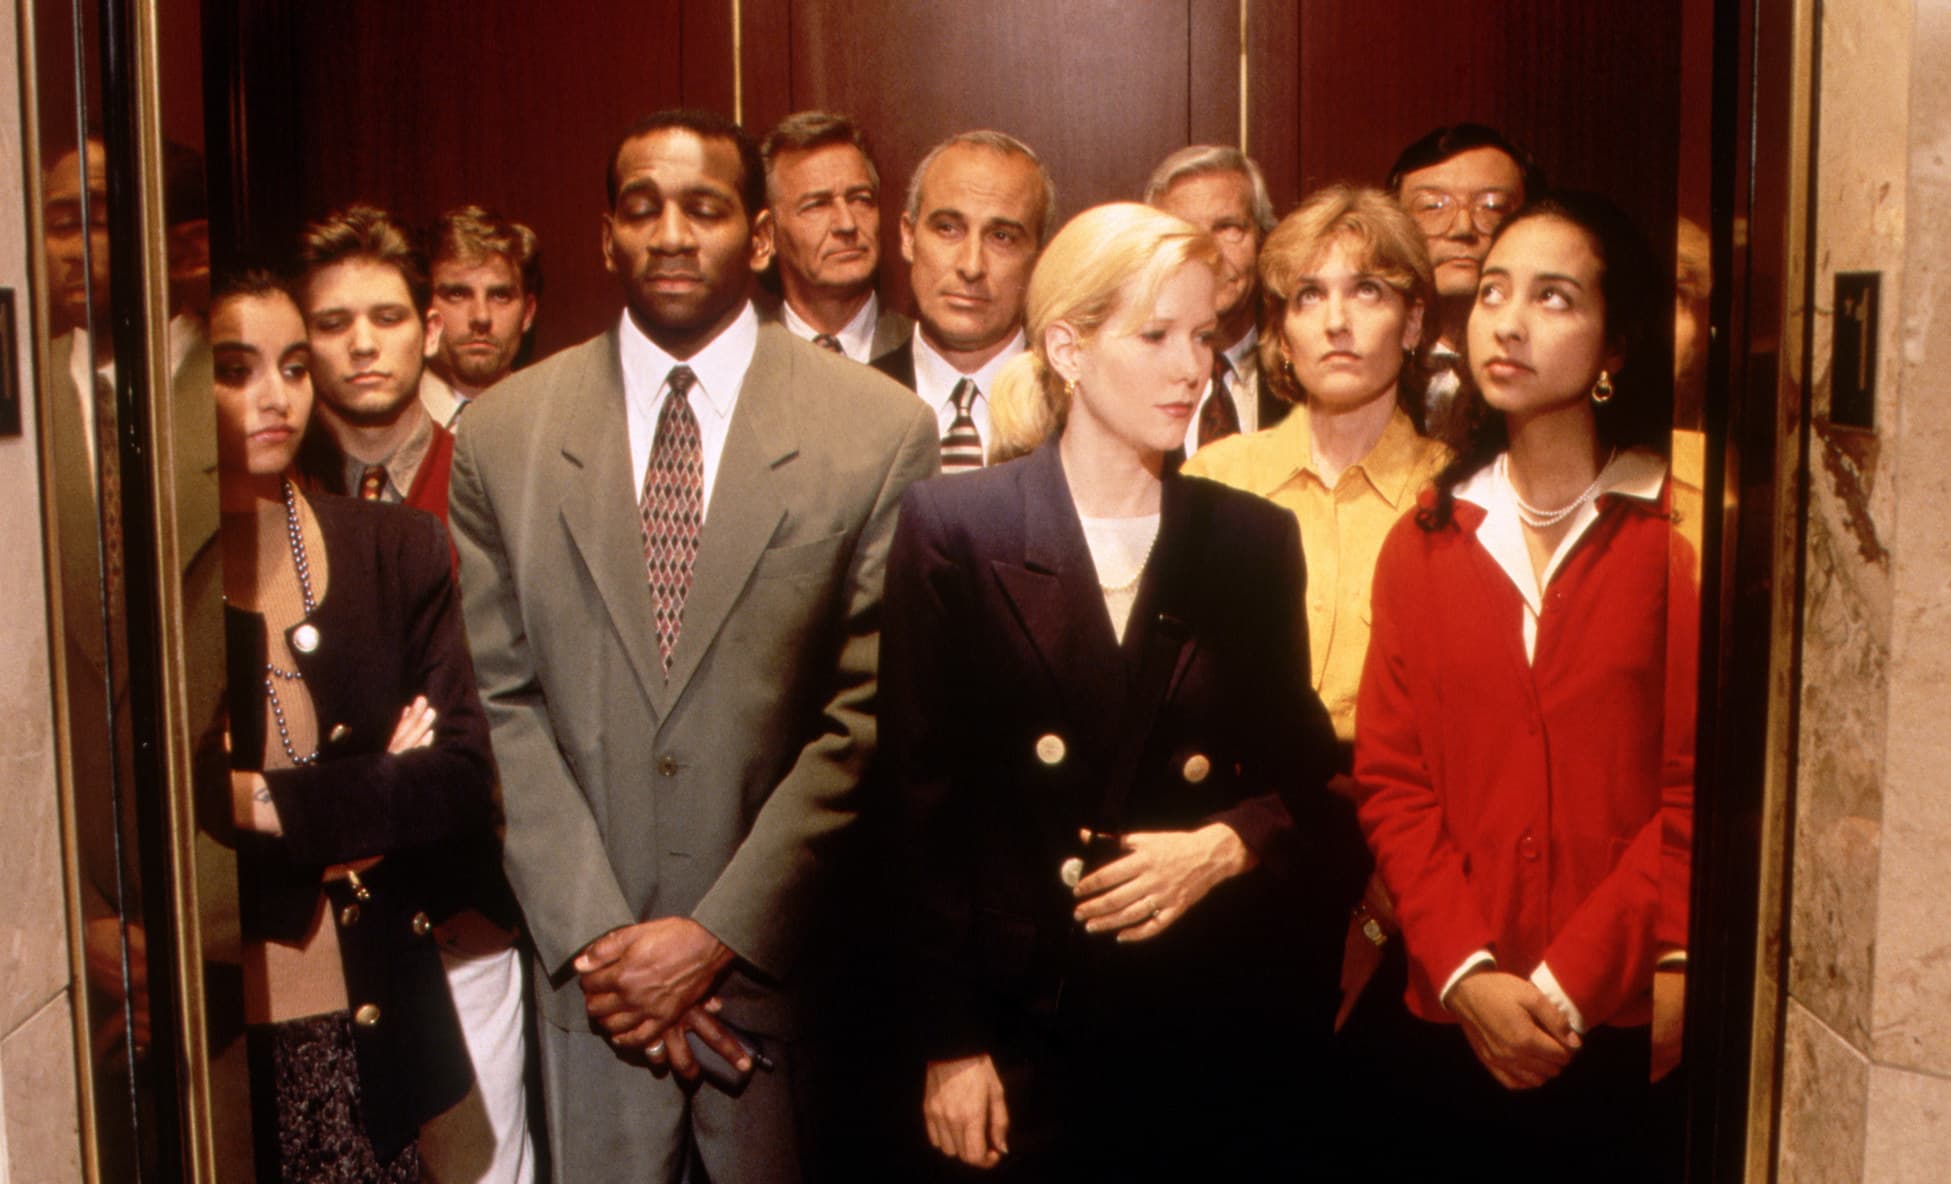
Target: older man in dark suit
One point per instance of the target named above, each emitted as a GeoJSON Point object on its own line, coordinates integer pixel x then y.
{"type": "Point", "coordinates": [672, 562]}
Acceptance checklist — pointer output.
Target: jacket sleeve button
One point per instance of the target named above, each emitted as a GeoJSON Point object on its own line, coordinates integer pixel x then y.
{"type": "Point", "coordinates": [421, 925]}
{"type": "Point", "coordinates": [349, 916]}
{"type": "Point", "coordinates": [1197, 768]}
{"type": "Point", "coordinates": [367, 1016]}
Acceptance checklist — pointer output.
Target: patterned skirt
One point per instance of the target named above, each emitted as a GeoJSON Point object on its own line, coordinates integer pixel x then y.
{"type": "Point", "coordinates": [305, 1107]}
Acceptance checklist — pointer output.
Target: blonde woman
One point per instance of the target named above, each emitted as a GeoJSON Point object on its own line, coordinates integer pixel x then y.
{"type": "Point", "coordinates": [1108, 763]}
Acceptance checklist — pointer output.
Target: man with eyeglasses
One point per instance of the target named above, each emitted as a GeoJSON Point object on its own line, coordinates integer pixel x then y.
{"type": "Point", "coordinates": [1459, 182]}
{"type": "Point", "coordinates": [1221, 191]}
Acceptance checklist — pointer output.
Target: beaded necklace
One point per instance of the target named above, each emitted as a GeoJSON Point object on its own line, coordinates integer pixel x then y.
{"type": "Point", "coordinates": [1538, 519]}
{"type": "Point", "coordinates": [273, 673]}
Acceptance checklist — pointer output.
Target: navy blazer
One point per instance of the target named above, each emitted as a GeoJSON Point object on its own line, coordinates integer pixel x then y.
{"type": "Point", "coordinates": [997, 641]}
{"type": "Point", "coordinates": [389, 628]}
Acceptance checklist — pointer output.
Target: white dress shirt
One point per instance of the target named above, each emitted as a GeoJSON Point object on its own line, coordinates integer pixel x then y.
{"type": "Point", "coordinates": [720, 368]}
{"type": "Point", "coordinates": [1239, 387]}
{"type": "Point", "coordinates": [935, 381]}
{"type": "Point", "coordinates": [856, 338]}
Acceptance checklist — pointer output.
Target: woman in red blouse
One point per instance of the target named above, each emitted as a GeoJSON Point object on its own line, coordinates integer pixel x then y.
{"type": "Point", "coordinates": [1524, 739]}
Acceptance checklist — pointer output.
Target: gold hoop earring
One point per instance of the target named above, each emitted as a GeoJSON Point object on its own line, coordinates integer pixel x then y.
{"type": "Point", "coordinates": [1602, 389]}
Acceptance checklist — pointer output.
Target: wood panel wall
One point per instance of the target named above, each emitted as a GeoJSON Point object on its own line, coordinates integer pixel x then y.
{"type": "Point", "coordinates": [427, 105]}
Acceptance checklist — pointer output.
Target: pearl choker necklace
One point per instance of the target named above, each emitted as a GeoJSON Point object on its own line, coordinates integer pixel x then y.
{"type": "Point", "coordinates": [1538, 519]}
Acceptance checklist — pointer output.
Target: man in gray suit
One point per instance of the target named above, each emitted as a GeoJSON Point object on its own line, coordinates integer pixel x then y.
{"type": "Point", "coordinates": [823, 222]}
{"type": "Point", "coordinates": [671, 557]}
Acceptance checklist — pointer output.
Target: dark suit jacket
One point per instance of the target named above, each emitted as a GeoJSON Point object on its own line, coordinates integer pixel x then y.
{"type": "Point", "coordinates": [997, 641]}
{"type": "Point", "coordinates": [899, 363]}
{"type": "Point", "coordinates": [389, 628]}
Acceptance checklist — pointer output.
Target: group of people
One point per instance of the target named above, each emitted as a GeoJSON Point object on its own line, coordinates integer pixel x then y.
{"type": "Point", "coordinates": [1017, 774]}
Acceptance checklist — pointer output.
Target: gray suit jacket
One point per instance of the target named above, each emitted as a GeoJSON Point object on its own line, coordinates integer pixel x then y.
{"type": "Point", "coordinates": [720, 792]}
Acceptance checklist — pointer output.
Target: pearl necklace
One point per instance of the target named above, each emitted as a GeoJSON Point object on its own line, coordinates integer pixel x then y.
{"type": "Point", "coordinates": [295, 534]}
{"type": "Point", "coordinates": [1128, 585]}
{"type": "Point", "coordinates": [1538, 519]}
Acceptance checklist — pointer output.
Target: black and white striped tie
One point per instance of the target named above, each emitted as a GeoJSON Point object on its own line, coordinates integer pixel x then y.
{"type": "Point", "coordinates": [962, 445]}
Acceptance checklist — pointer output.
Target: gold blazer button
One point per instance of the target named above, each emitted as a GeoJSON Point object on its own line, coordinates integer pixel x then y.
{"type": "Point", "coordinates": [1070, 871]}
{"type": "Point", "coordinates": [304, 639]}
{"type": "Point", "coordinates": [421, 925]}
{"type": "Point", "coordinates": [1197, 768]}
{"type": "Point", "coordinates": [367, 1016]}
{"type": "Point", "coordinates": [339, 732]}
{"type": "Point", "coordinates": [349, 916]}
{"type": "Point", "coordinates": [1050, 749]}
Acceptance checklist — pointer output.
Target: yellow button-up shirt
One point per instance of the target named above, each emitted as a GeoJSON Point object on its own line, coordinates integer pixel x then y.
{"type": "Point", "coordinates": [1341, 530]}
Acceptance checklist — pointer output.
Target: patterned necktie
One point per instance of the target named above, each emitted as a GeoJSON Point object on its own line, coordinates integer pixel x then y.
{"type": "Point", "coordinates": [828, 341]}
{"type": "Point", "coordinates": [1218, 419]}
{"type": "Point", "coordinates": [673, 509]}
{"type": "Point", "coordinates": [962, 445]}
{"type": "Point", "coordinates": [372, 483]}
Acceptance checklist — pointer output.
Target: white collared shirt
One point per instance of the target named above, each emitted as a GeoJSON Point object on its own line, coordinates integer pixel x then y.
{"type": "Point", "coordinates": [856, 339]}
{"type": "Point", "coordinates": [1239, 388]}
{"type": "Point", "coordinates": [720, 368]}
{"type": "Point", "coordinates": [1637, 474]}
{"type": "Point", "coordinates": [935, 381]}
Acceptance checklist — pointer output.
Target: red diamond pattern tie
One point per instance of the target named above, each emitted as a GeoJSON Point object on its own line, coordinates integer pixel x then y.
{"type": "Point", "coordinates": [1218, 419]}
{"type": "Point", "coordinates": [673, 508]}
{"type": "Point", "coordinates": [962, 446]}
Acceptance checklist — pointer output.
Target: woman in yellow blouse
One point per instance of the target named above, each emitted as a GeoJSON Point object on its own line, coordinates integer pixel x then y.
{"type": "Point", "coordinates": [1345, 282]}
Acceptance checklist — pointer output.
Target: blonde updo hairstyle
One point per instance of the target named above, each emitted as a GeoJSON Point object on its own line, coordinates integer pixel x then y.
{"type": "Point", "coordinates": [1106, 264]}
{"type": "Point", "coordinates": [1384, 241]}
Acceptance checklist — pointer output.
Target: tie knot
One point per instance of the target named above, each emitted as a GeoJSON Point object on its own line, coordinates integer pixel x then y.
{"type": "Point", "coordinates": [1221, 367]}
{"type": "Point", "coordinates": [681, 380]}
{"type": "Point", "coordinates": [828, 341]}
{"type": "Point", "coordinates": [963, 396]}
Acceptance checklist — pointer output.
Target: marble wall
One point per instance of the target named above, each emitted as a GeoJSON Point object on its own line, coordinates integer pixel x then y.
{"type": "Point", "coordinates": [39, 1133]}
{"type": "Point", "coordinates": [1866, 1057]}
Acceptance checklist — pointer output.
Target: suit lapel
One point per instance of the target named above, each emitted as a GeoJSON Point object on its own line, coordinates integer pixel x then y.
{"type": "Point", "coordinates": [1179, 548]}
{"type": "Point", "coordinates": [599, 512]}
{"type": "Point", "coordinates": [746, 503]}
{"type": "Point", "coordinates": [1055, 595]}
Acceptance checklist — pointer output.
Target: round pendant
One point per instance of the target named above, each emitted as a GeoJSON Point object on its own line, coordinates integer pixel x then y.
{"type": "Point", "coordinates": [304, 639]}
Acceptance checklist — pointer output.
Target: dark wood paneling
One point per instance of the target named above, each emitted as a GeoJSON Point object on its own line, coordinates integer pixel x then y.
{"type": "Point", "coordinates": [1213, 68]}
{"type": "Point", "coordinates": [1591, 89]}
{"type": "Point", "coordinates": [1097, 87]}
{"type": "Point", "coordinates": [420, 107]}
{"type": "Point", "coordinates": [1273, 62]}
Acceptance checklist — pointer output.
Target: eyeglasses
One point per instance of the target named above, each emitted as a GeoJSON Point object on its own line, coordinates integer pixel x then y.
{"type": "Point", "coordinates": [1435, 210]}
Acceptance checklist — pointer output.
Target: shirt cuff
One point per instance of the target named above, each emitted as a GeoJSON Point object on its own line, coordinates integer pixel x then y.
{"type": "Point", "coordinates": [1480, 958]}
{"type": "Point", "coordinates": [1547, 983]}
